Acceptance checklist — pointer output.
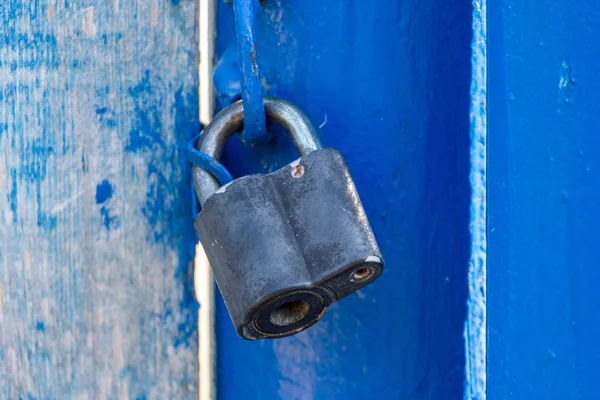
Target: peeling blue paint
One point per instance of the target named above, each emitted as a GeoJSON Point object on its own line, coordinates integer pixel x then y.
{"type": "Point", "coordinates": [36, 50]}
{"type": "Point", "coordinates": [104, 192]}
{"type": "Point", "coordinates": [106, 117]}
{"type": "Point", "coordinates": [187, 124]}
{"type": "Point", "coordinates": [17, 9]}
{"type": "Point", "coordinates": [12, 195]}
{"type": "Point", "coordinates": [84, 167]}
{"type": "Point", "coordinates": [43, 220]}
{"type": "Point", "coordinates": [107, 219]}
{"type": "Point", "coordinates": [148, 126]}
{"type": "Point", "coordinates": [39, 326]}
{"type": "Point", "coordinates": [165, 193]}
{"type": "Point", "coordinates": [187, 329]}
{"type": "Point", "coordinates": [36, 154]}
{"type": "Point", "coordinates": [158, 205]}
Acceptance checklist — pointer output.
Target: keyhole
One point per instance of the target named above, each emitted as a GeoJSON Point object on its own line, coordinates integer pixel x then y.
{"type": "Point", "coordinates": [289, 313]}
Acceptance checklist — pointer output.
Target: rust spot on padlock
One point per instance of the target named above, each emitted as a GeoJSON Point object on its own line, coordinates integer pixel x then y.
{"type": "Point", "coordinates": [297, 171]}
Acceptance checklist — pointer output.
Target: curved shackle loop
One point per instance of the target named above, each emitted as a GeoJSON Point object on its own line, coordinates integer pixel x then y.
{"type": "Point", "coordinates": [231, 120]}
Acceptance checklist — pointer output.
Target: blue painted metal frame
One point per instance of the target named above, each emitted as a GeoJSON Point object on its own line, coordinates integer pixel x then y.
{"type": "Point", "coordinates": [544, 191]}
{"type": "Point", "coordinates": [387, 83]}
{"type": "Point", "coordinates": [246, 12]}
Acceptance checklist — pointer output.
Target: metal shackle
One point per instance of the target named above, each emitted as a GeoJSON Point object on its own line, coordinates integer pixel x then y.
{"type": "Point", "coordinates": [231, 120]}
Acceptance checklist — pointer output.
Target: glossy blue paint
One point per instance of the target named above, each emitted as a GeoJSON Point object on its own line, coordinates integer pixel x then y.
{"type": "Point", "coordinates": [543, 191]}
{"type": "Point", "coordinates": [246, 12]}
{"type": "Point", "coordinates": [387, 83]}
{"type": "Point", "coordinates": [97, 102]}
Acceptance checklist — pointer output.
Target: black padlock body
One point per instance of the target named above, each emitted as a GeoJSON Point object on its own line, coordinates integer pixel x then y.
{"type": "Point", "coordinates": [284, 246]}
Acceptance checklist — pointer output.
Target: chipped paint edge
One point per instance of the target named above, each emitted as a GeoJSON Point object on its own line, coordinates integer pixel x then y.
{"type": "Point", "coordinates": [475, 326]}
{"type": "Point", "coordinates": [203, 280]}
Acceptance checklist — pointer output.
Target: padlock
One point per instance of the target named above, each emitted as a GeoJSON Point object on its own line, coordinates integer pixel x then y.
{"type": "Point", "coordinates": [283, 246]}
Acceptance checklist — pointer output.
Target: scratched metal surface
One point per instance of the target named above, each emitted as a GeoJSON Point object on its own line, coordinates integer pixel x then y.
{"type": "Point", "coordinates": [387, 83]}
{"type": "Point", "coordinates": [544, 191]}
{"type": "Point", "coordinates": [97, 99]}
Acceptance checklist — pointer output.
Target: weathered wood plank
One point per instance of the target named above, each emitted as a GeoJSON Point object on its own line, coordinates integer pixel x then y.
{"type": "Point", "coordinates": [97, 98]}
